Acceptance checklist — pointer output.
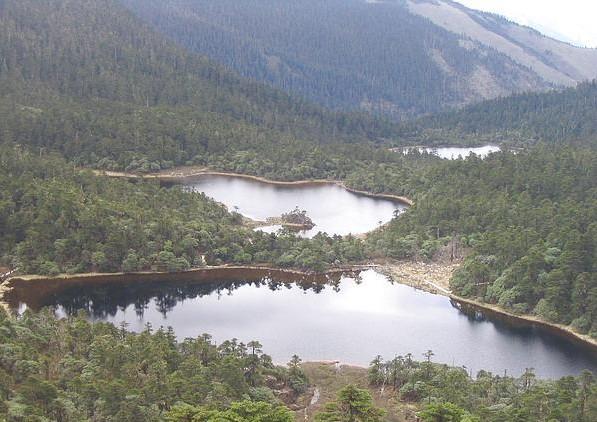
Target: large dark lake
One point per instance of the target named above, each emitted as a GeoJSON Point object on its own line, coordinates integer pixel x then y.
{"type": "Point", "coordinates": [350, 319]}
{"type": "Point", "coordinates": [334, 210]}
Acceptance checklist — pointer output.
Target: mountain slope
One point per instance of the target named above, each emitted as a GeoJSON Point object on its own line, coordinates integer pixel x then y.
{"type": "Point", "coordinates": [554, 61]}
{"type": "Point", "coordinates": [396, 58]}
{"type": "Point", "coordinates": [91, 79]}
{"type": "Point", "coordinates": [568, 115]}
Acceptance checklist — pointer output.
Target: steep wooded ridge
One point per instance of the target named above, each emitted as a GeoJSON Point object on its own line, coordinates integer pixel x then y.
{"type": "Point", "coordinates": [92, 80]}
{"type": "Point", "coordinates": [562, 116]}
{"type": "Point", "coordinates": [398, 58]}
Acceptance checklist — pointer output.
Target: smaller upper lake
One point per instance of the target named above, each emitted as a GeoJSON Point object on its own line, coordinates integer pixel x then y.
{"type": "Point", "coordinates": [453, 153]}
{"type": "Point", "coordinates": [333, 209]}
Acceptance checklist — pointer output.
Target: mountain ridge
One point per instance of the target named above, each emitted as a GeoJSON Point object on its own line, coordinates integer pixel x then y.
{"type": "Point", "coordinates": [556, 61]}
{"type": "Point", "coordinates": [567, 115]}
{"type": "Point", "coordinates": [383, 57]}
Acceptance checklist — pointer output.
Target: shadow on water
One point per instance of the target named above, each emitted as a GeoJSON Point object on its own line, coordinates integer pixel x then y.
{"type": "Point", "coordinates": [523, 330]}
{"type": "Point", "coordinates": [106, 301]}
{"type": "Point", "coordinates": [106, 296]}
{"type": "Point", "coordinates": [317, 317]}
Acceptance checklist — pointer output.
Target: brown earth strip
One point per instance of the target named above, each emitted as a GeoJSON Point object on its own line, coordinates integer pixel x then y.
{"type": "Point", "coordinates": [184, 174]}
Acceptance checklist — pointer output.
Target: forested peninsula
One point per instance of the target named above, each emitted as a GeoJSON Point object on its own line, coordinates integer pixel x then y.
{"type": "Point", "coordinates": [528, 220]}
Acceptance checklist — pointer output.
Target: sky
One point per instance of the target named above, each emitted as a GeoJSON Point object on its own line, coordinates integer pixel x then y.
{"type": "Point", "coordinates": [574, 21]}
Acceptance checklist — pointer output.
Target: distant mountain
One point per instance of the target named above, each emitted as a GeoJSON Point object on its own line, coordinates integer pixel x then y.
{"type": "Point", "coordinates": [568, 115]}
{"type": "Point", "coordinates": [90, 79]}
{"type": "Point", "coordinates": [554, 61]}
{"type": "Point", "coordinates": [400, 58]}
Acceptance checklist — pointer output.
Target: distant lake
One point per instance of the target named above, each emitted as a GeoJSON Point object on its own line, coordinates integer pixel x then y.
{"type": "Point", "coordinates": [453, 153]}
{"type": "Point", "coordinates": [333, 209]}
{"type": "Point", "coordinates": [351, 319]}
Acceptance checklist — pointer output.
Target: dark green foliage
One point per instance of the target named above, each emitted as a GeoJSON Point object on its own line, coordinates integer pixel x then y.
{"type": "Point", "coordinates": [297, 379]}
{"type": "Point", "coordinates": [528, 220]}
{"type": "Point", "coordinates": [55, 218]}
{"type": "Point", "coordinates": [562, 116]}
{"type": "Point", "coordinates": [343, 54]}
{"type": "Point", "coordinates": [92, 81]}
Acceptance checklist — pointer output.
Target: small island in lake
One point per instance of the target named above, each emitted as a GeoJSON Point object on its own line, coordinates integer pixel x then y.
{"type": "Point", "coordinates": [295, 219]}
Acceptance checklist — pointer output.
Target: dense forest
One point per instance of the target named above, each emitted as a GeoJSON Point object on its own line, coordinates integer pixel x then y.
{"type": "Point", "coordinates": [87, 84]}
{"type": "Point", "coordinates": [57, 219]}
{"type": "Point", "coordinates": [343, 54]}
{"type": "Point", "coordinates": [529, 220]}
{"type": "Point", "coordinates": [73, 370]}
{"type": "Point", "coordinates": [77, 371]}
{"type": "Point", "coordinates": [453, 395]}
{"type": "Point", "coordinates": [560, 116]}
{"type": "Point", "coordinates": [90, 80]}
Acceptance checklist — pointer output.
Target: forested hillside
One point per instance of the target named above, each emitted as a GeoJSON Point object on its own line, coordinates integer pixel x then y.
{"type": "Point", "coordinates": [530, 221]}
{"type": "Point", "coordinates": [562, 116]}
{"type": "Point", "coordinates": [343, 54]}
{"type": "Point", "coordinates": [92, 81]}
{"type": "Point", "coordinates": [56, 219]}
{"type": "Point", "coordinates": [87, 83]}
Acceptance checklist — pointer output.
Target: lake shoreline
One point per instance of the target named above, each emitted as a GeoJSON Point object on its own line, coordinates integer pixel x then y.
{"type": "Point", "coordinates": [185, 174]}
{"type": "Point", "coordinates": [557, 329]}
{"type": "Point", "coordinates": [10, 286]}
{"type": "Point", "coordinates": [403, 272]}
{"type": "Point", "coordinates": [413, 274]}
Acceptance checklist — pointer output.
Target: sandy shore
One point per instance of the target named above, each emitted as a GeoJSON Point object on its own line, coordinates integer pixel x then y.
{"type": "Point", "coordinates": [435, 278]}
{"type": "Point", "coordinates": [428, 276]}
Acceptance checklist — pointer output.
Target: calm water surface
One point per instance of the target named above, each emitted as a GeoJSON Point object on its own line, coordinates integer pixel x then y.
{"type": "Point", "coordinates": [333, 209]}
{"type": "Point", "coordinates": [352, 320]}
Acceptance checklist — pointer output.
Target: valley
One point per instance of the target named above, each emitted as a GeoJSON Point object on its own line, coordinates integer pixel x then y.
{"type": "Point", "coordinates": [398, 198]}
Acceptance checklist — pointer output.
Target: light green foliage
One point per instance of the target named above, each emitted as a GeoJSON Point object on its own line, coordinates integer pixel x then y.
{"type": "Point", "coordinates": [449, 394]}
{"type": "Point", "coordinates": [244, 411]}
{"type": "Point", "coordinates": [63, 220]}
{"type": "Point", "coordinates": [442, 412]}
{"type": "Point", "coordinates": [75, 371]}
{"type": "Point", "coordinates": [352, 405]}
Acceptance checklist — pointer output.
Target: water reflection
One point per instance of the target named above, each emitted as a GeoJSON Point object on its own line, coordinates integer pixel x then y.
{"type": "Point", "coordinates": [333, 209]}
{"type": "Point", "coordinates": [349, 319]}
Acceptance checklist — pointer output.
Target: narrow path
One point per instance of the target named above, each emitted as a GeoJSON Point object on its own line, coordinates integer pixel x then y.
{"type": "Point", "coordinates": [315, 398]}
{"type": "Point", "coordinates": [440, 288]}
